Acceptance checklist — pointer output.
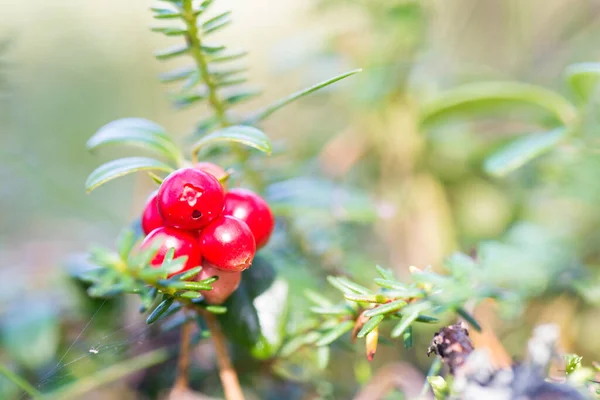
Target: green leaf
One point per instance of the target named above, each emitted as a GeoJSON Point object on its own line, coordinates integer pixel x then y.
{"type": "Point", "coordinates": [469, 318]}
{"type": "Point", "coordinates": [184, 285]}
{"type": "Point", "coordinates": [125, 243]}
{"type": "Point", "coordinates": [272, 309]}
{"type": "Point", "coordinates": [183, 100]}
{"type": "Point", "coordinates": [164, 13]}
{"type": "Point", "coordinates": [240, 324]}
{"type": "Point", "coordinates": [296, 343]}
{"type": "Point", "coordinates": [385, 273]}
{"type": "Point", "coordinates": [386, 308]}
{"type": "Point", "coordinates": [367, 298]}
{"type": "Point", "coordinates": [522, 150]}
{"type": "Point", "coordinates": [407, 338]}
{"type": "Point", "coordinates": [485, 96]}
{"type": "Point", "coordinates": [427, 319]}
{"type": "Point", "coordinates": [137, 132]}
{"type": "Point", "coordinates": [191, 295]}
{"type": "Point", "coordinates": [390, 284]}
{"type": "Point", "coordinates": [217, 22]}
{"type": "Point", "coordinates": [169, 30]}
{"type": "Point", "coordinates": [335, 333]}
{"type": "Point", "coordinates": [334, 310]}
{"type": "Point", "coordinates": [212, 49]}
{"type": "Point", "coordinates": [583, 79]}
{"type": "Point", "coordinates": [188, 274]}
{"type": "Point", "coordinates": [172, 51]}
{"type": "Point", "coordinates": [439, 386]}
{"type": "Point", "coordinates": [217, 309]}
{"type": "Point", "coordinates": [355, 287]}
{"type": "Point", "coordinates": [246, 135]}
{"type": "Point", "coordinates": [268, 110]}
{"type": "Point", "coordinates": [159, 310]}
{"type": "Point", "coordinates": [239, 96]}
{"type": "Point", "coordinates": [573, 362]}
{"type": "Point", "coordinates": [177, 74]}
{"type": "Point", "coordinates": [224, 57]}
{"type": "Point", "coordinates": [323, 354]}
{"type": "Point", "coordinates": [317, 298]}
{"type": "Point", "coordinates": [371, 324]}
{"type": "Point", "coordinates": [123, 166]}
{"type": "Point", "coordinates": [404, 323]}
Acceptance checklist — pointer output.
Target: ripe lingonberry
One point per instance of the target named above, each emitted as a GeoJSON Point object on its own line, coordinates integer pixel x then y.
{"type": "Point", "coordinates": [249, 207]}
{"type": "Point", "coordinates": [185, 244]}
{"type": "Point", "coordinates": [227, 243]}
{"type": "Point", "coordinates": [151, 218]}
{"type": "Point", "coordinates": [189, 199]}
{"type": "Point", "coordinates": [223, 288]}
{"type": "Point", "coordinates": [212, 169]}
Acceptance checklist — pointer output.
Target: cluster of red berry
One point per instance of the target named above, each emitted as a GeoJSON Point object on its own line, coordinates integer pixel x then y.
{"type": "Point", "coordinates": [193, 214]}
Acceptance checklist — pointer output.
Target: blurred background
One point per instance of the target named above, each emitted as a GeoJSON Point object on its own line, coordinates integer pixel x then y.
{"type": "Point", "coordinates": [411, 196]}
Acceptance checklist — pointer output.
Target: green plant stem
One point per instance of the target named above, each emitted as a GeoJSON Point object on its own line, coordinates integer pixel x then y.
{"type": "Point", "coordinates": [435, 368]}
{"type": "Point", "coordinates": [20, 382]}
{"type": "Point", "coordinates": [195, 43]}
{"type": "Point", "coordinates": [110, 374]}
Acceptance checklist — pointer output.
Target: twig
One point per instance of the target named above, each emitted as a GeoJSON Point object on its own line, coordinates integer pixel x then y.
{"type": "Point", "coordinates": [183, 362]}
{"type": "Point", "coordinates": [20, 382]}
{"type": "Point", "coordinates": [229, 378]}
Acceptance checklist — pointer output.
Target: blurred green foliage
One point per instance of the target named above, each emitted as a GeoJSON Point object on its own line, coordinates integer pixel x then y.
{"type": "Point", "coordinates": [355, 177]}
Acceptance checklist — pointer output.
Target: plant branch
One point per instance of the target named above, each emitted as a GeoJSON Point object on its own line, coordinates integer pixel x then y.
{"type": "Point", "coordinates": [20, 382]}
{"type": "Point", "coordinates": [183, 362]}
{"type": "Point", "coordinates": [229, 378]}
{"type": "Point", "coordinates": [195, 43]}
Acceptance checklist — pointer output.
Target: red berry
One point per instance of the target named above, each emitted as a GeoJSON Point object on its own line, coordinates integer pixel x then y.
{"type": "Point", "coordinates": [253, 210]}
{"type": "Point", "coordinates": [228, 244]}
{"type": "Point", "coordinates": [184, 243]}
{"type": "Point", "coordinates": [212, 169]}
{"type": "Point", "coordinates": [189, 199]}
{"type": "Point", "coordinates": [223, 288]}
{"type": "Point", "coordinates": [151, 218]}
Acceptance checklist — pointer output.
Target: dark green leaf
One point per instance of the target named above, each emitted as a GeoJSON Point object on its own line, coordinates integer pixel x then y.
{"type": "Point", "coordinates": [212, 49]}
{"type": "Point", "coordinates": [171, 52]}
{"type": "Point", "coordinates": [427, 319]}
{"type": "Point", "coordinates": [246, 135]}
{"type": "Point", "coordinates": [240, 96]}
{"type": "Point", "coordinates": [183, 100]}
{"type": "Point", "coordinates": [123, 166]}
{"type": "Point", "coordinates": [159, 310]}
{"type": "Point", "coordinates": [371, 324]}
{"type": "Point", "coordinates": [407, 338]}
{"type": "Point", "coordinates": [468, 99]}
{"type": "Point", "coordinates": [386, 308]}
{"type": "Point", "coordinates": [404, 323]}
{"type": "Point", "coordinates": [272, 309]}
{"type": "Point", "coordinates": [137, 132]}
{"type": "Point", "coordinates": [335, 333]}
{"type": "Point", "coordinates": [267, 111]}
{"type": "Point", "coordinates": [240, 324]}
{"type": "Point", "coordinates": [522, 150]}
{"type": "Point", "coordinates": [469, 318]}
{"type": "Point", "coordinates": [583, 78]}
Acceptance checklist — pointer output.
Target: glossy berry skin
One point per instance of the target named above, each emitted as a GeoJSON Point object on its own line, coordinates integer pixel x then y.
{"type": "Point", "coordinates": [185, 244]}
{"type": "Point", "coordinates": [228, 244]}
{"type": "Point", "coordinates": [190, 199]}
{"type": "Point", "coordinates": [212, 169]}
{"type": "Point", "coordinates": [223, 288]}
{"type": "Point", "coordinates": [151, 218]}
{"type": "Point", "coordinates": [249, 207]}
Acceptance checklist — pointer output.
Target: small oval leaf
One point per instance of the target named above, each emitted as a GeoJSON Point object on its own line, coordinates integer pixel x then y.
{"type": "Point", "coordinates": [123, 166]}
{"type": "Point", "coordinates": [371, 324]}
{"type": "Point", "coordinates": [137, 132]}
{"type": "Point", "coordinates": [246, 135]}
{"type": "Point", "coordinates": [522, 150]}
{"type": "Point", "coordinates": [583, 78]}
{"type": "Point", "coordinates": [489, 96]}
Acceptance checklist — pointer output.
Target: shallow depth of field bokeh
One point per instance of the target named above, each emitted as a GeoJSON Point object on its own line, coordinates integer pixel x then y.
{"type": "Point", "coordinates": [68, 67]}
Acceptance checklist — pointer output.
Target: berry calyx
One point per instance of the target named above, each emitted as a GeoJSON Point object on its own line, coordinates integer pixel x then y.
{"type": "Point", "coordinates": [213, 169]}
{"type": "Point", "coordinates": [228, 244]}
{"type": "Point", "coordinates": [151, 218]}
{"type": "Point", "coordinates": [190, 199]}
{"type": "Point", "coordinates": [184, 243]}
{"type": "Point", "coordinates": [227, 283]}
{"type": "Point", "coordinates": [249, 207]}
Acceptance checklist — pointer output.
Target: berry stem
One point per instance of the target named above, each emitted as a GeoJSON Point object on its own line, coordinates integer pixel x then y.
{"type": "Point", "coordinates": [195, 43]}
{"type": "Point", "coordinates": [183, 362]}
{"type": "Point", "coordinates": [229, 378]}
